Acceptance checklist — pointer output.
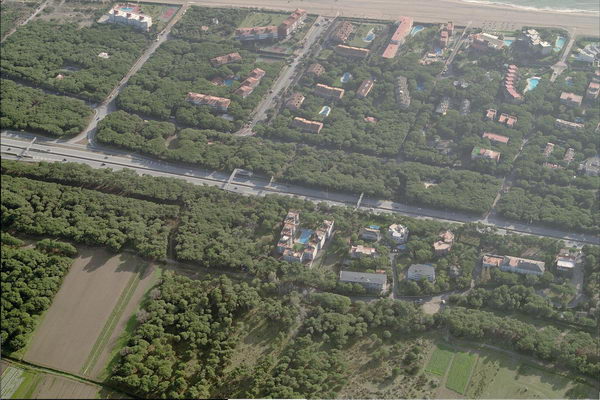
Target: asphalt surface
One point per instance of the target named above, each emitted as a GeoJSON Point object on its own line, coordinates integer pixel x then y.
{"type": "Point", "coordinates": [96, 157]}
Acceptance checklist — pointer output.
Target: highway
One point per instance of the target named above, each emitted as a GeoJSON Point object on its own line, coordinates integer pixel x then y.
{"type": "Point", "coordinates": [12, 146]}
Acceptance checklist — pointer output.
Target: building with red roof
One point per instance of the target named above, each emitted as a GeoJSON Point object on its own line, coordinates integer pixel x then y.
{"type": "Point", "coordinates": [509, 120]}
{"type": "Point", "coordinates": [495, 137]}
{"type": "Point", "coordinates": [307, 125]}
{"type": "Point", "coordinates": [350, 51]}
{"type": "Point", "coordinates": [226, 59]}
{"type": "Point", "coordinates": [214, 102]}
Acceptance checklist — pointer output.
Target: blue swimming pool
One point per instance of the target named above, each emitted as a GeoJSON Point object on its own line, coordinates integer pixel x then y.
{"type": "Point", "coordinates": [127, 9]}
{"type": "Point", "coordinates": [559, 43]}
{"type": "Point", "coordinates": [325, 111]}
{"type": "Point", "coordinates": [416, 30]}
{"type": "Point", "coordinates": [532, 83]}
{"type": "Point", "coordinates": [508, 42]}
{"type": "Point", "coordinates": [305, 235]}
{"type": "Point", "coordinates": [374, 226]}
{"type": "Point", "coordinates": [346, 77]}
{"type": "Point", "coordinates": [420, 86]}
{"type": "Point", "coordinates": [438, 51]}
{"type": "Point", "coordinates": [369, 37]}
{"type": "Point", "coordinates": [228, 82]}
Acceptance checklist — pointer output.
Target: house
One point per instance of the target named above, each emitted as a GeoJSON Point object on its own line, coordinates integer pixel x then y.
{"type": "Point", "coordinates": [364, 88]}
{"type": "Point", "coordinates": [592, 91]}
{"type": "Point", "coordinates": [570, 99]}
{"type": "Point", "coordinates": [533, 40]}
{"type": "Point", "coordinates": [216, 103]}
{"type": "Point", "coordinates": [250, 83]}
{"type": "Point", "coordinates": [315, 69]}
{"type": "Point", "coordinates": [561, 123]}
{"type": "Point", "coordinates": [566, 260]}
{"type": "Point", "coordinates": [226, 59]}
{"type": "Point", "coordinates": [490, 114]}
{"type": "Point", "coordinates": [443, 39]}
{"type": "Point", "coordinates": [487, 154]}
{"type": "Point", "coordinates": [371, 232]}
{"type": "Point", "coordinates": [485, 41]}
{"type": "Point", "coordinates": [444, 245]}
{"type": "Point", "coordinates": [398, 233]}
{"type": "Point", "coordinates": [104, 55]}
{"type": "Point", "coordinates": [294, 102]}
{"type": "Point", "coordinates": [552, 166]}
{"type": "Point", "coordinates": [302, 248]}
{"type": "Point", "coordinates": [522, 266]}
{"type": "Point", "coordinates": [549, 149]}
{"type": "Point", "coordinates": [307, 125]}
{"type": "Point", "coordinates": [342, 33]}
{"type": "Point", "coordinates": [371, 282]}
{"type": "Point", "coordinates": [509, 120]}
{"type": "Point", "coordinates": [416, 272]}
{"type": "Point", "coordinates": [329, 92]}
{"type": "Point", "coordinates": [495, 138]}
{"type": "Point", "coordinates": [443, 106]}
{"type": "Point", "coordinates": [351, 51]}
{"type": "Point", "coordinates": [402, 93]}
{"type": "Point", "coordinates": [591, 166]}
{"type": "Point", "coordinates": [370, 120]}
{"type": "Point", "coordinates": [465, 107]}
{"type": "Point", "coordinates": [360, 251]}
{"type": "Point", "coordinates": [257, 33]}
{"type": "Point", "coordinates": [140, 21]}
{"type": "Point", "coordinates": [569, 155]}
{"type": "Point", "coordinates": [291, 23]}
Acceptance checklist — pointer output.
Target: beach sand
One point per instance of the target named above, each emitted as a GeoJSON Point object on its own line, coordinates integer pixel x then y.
{"type": "Point", "coordinates": [492, 17]}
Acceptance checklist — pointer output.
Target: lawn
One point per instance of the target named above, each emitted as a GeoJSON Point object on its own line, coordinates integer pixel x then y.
{"type": "Point", "coordinates": [439, 361]}
{"type": "Point", "coordinates": [361, 31]}
{"type": "Point", "coordinates": [263, 19]}
{"type": "Point", "coordinates": [460, 372]}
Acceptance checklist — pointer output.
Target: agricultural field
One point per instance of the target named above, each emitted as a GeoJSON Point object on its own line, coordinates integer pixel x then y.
{"type": "Point", "coordinates": [439, 361]}
{"type": "Point", "coordinates": [488, 374]}
{"type": "Point", "coordinates": [77, 329]}
{"type": "Point", "coordinates": [460, 372]}
{"type": "Point", "coordinates": [25, 383]}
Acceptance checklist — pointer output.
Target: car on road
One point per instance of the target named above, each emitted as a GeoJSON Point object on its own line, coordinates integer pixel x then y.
{"type": "Point", "coordinates": [64, 159]}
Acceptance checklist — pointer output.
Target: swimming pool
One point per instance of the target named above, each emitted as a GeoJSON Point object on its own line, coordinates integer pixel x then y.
{"type": "Point", "coordinates": [369, 37]}
{"type": "Point", "coordinates": [228, 82]}
{"type": "Point", "coordinates": [416, 30]}
{"type": "Point", "coordinates": [346, 77]}
{"type": "Point", "coordinates": [532, 83]}
{"type": "Point", "coordinates": [325, 111]}
{"type": "Point", "coordinates": [508, 42]}
{"type": "Point", "coordinates": [438, 51]}
{"type": "Point", "coordinates": [126, 9]}
{"type": "Point", "coordinates": [559, 43]}
{"type": "Point", "coordinates": [305, 235]}
{"type": "Point", "coordinates": [420, 86]}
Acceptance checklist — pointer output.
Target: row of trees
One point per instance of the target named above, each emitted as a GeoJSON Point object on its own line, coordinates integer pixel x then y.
{"type": "Point", "coordinates": [85, 216]}
{"type": "Point", "coordinates": [41, 51]}
{"type": "Point", "coordinates": [30, 279]}
{"type": "Point", "coordinates": [33, 110]}
{"type": "Point", "coordinates": [574, 349]}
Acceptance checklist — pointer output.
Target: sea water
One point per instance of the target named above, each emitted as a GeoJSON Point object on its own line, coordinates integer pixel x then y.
{"type": "Point", "coordinates": [553, 5]}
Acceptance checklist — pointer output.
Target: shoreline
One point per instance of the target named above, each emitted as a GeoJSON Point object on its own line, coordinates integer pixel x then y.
{"type": "Point", "coordinates": [501, 4]}
{"type": "Point", "coordinates": [428, 11]}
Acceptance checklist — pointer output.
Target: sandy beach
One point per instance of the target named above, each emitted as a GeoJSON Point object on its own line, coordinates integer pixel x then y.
{"type": "Point", "coordinates": [493, 17]}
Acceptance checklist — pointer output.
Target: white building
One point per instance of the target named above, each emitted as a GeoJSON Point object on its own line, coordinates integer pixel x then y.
{"type": "Point", "coordinates": [398, 233]}
{"type": "Point", "coordinates": [139, 21]}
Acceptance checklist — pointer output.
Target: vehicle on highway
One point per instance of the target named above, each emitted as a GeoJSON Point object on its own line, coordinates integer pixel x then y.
{"type": "Point", "coordinates": [64, 159]}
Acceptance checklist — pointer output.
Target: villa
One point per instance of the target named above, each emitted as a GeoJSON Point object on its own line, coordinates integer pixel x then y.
{"type": "Point", "coordinates": [591, 166]}
{"type": "Point", "coordinates": [216, 103]}
{"type": "Point", "coordinates": [567, 260]}
{"type": "Point", "coordinates": [443, 246]}
{"type": "Point", "coordinates": [561, 123]}
{"type": "Point", "coordinates": [371, 232]}
{"type": "Point", "coordinates": [364, 88]}
{"type": "Point", "coordinates": [226, 59]}
{"type": "Point", "coordinates": [487, 154]}
{"type": "Point", "coordinates": [485, 41]}
{"type": "Point", "coordinates": [514, 264]}
{"type": "Point", "coordinates": [549, 149]}
{"type": "Point", "coordinates": [301, 245]}
{"type": "Point", "coordinates": [490, 114]}
{"type": "Point", "coordinates": [417, 272]}
{"type": "Point", "coordinates": [569, 155]}
{"type": "Point", "coordinates": [535, 43]}
{"type": "Point", "coordinates": [250, 83]}
{"type": "Point", "coordinates": [398, 233]}
{"type": "Point", "coordinates": [495, 138]}
{"type": "Point", "coordinates": [360, 251]}
{"type": "Point", "coordinates": [294, 102]}
{"type": "Point", "coordinates": [570, 99]}
{"type": "Point", "coordinates": [343, 31]}
{"type": "Point", "coordinates": [315, 69]}
{"type": "Point", "coordinates": [307, 125]}
{"type": "Point", "coordinates": [329, 92]}
{"type": "Point", "coordinates": [592, 91]}
{"type": "Point", "coordinates": [508, 120]}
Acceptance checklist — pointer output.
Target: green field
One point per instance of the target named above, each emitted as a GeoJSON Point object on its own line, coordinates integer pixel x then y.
{"type": "Point", "coordinates": [361, 31]}
{"type": "Point", "coordinates": [439, 361]}
{"type": "Point", "coordinates": [460, 372]}
{"type": "Point", "coordinates": [262, 19]}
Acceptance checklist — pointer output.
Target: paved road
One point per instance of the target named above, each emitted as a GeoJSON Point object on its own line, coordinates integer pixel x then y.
{"type": "Point", "coordinates": [285, 77]}
{"type": "Point", "coordinates": [25, 22]}
{"type": "Point", "coordinates": [561, 65]}
{"type": "Point", "coordinates": [108, 105]}
{"type": "Point", "coordinates": [98, 157]}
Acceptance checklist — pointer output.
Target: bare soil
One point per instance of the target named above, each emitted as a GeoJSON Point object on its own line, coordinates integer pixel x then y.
{"type": "Point", "coordinates": [86, 299]}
